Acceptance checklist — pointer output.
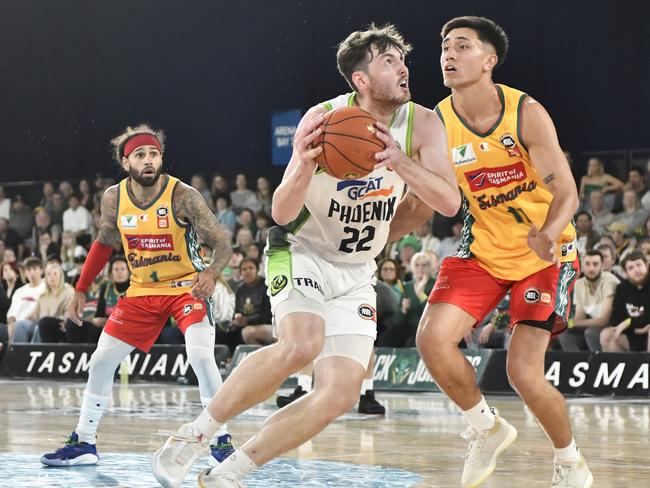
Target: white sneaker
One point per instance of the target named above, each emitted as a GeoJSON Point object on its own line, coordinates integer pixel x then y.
{"type": "Point", "coordinates": [175, 458]}
{"type": "Point", "coordinates": [572, 475]}
{"type": "Point", "coordinates": [219, 480]}
{"type": "Point", "coordinates": [484, 449]}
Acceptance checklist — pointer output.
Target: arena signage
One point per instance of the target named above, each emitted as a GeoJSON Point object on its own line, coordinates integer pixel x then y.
{"type": "Point", "coordinates": [71, 361]}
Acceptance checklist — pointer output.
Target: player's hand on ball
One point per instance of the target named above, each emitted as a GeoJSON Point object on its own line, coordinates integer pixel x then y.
{"type": "Point", "coordinates": [392, 154]}
{"type": "Point", "coordinates": [306, 132]}
{"type": "Point", "coordinates": [76, 307]}
{"type": "Point", "coordinates": [203, 284]}
{"type": "Point", "coordinates": [542, 244]}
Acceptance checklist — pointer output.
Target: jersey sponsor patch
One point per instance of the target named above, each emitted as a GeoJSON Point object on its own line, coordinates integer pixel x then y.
{"type": "Point", "coordinates": [149, 242]}
{"type": "Point", "coordinates": [162, 211]}
{"type": "Point", "coordinates": [532, 295]}
{"type": "Point", "coordinates": [463, 154]}
{"type": "Point", "coordinates": [510, 145]}
{"type": "Point", "coordinates": [128, 221]}
{"type": "Point", "coordinates": [309, 282]}
{"type": "Point", "coordinates": [483, 178]}
{"type": "Point", "coordinates": [367, 312]}
{"type": "Point", "coordinates": [277, 284]}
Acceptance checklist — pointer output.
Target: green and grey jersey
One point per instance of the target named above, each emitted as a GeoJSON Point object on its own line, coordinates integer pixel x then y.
{"type": "Point", "coordinates": [347, 221]}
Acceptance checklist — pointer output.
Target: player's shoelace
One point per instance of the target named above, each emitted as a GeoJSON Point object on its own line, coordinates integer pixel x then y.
{"type": "Point", "coordinates": [476, 440]}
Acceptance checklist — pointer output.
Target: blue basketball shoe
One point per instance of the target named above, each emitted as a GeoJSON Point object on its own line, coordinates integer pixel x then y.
{"type": "Point", "coordinates": [221, 450]}
{"type": "Point", "coordinates": [73, 453]}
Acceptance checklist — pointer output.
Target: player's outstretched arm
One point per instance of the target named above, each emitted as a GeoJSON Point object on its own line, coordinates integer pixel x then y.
{"type": "Point", "coordinates": [190, 206]}
{"type": "Point", "coordinates": [411, 213]}
{"type": "Point", "coordinates": [108, 234]}
{"type": "Point", "coordinates": [540, 137]}
{"type": "Point", "coordinates": [289, 197]}
{"type": "Point", "coordinates": [432, 179]}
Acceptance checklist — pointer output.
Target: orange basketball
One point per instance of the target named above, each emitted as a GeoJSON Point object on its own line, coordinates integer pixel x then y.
{"type": "Point", "coordinates": [349, 143]}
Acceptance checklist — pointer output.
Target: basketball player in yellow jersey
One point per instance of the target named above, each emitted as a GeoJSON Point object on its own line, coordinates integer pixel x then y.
{"type": "Point", "coordinates": [159, 220]}
{"type": "Point", "coordinates": [518, 201]}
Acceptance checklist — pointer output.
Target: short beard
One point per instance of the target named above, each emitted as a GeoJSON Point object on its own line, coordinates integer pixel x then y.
{"type": "Point", "coordinates": [596, 278]}
{"type": "Point", "coordinates": [146, 181]}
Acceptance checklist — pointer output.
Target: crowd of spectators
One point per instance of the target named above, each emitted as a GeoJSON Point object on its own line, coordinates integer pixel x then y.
{"type": "Point", "coordinates": [51, 235]}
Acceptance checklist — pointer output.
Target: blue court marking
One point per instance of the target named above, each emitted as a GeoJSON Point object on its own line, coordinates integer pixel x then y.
{"type": "Point", "coordinates": [134, 471]}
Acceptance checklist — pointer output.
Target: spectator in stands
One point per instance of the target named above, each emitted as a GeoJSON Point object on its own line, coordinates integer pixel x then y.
{"type": "Point", "coordinates": [633, 214]}
{"type": "Point", "coordinates": [252, 251]}
{"type": "Point", "coordinates": [9, 256]}
{"type": "Point", "coordinates": [389, 271]}
{"type": "Point", "coordinates": [109, 293]}
{"type": "Point", "coordinates": [630, 320]}
{"type": "Point", "coordinates": [69, 251]}
{"type": "Point", "coordinates": [46, 248]}
{"type": "Point", "coordinates": [223, 299]}
{"type": "Point", "coordinates": [21, 218]}
{"type": "Point", "coordinates": [262, 224]}
{"type": "Point", "coordinates": [66, 190]}
{"type": "Point", "coordinates": [243, 239]}
{"type": "Point", "coordinates": [618, 232]}
{"type": "Point", "coordinates": [416, 292]}
{"type": "Point", "coordinates": [48, 191]}
{"type": "Point", "coordinates": [644, 246]}
{"type": "Point", "coordinates": [85, 194]}
{"type": "Point", "coordinates": [610, 259]}
{"type": "Point", "coordinates": [428, 242]}
{"type": "Point", "coordinates": [219, 187]}
{"type": "Point", "coordinates": [435, 262]}
{"type": "Point", "coordinates": [226, 217]}
{"type": "Point", "coordinates": [264, 194]}
{"type": "Point", "coordinates": [5, 204]}
{"type": "Point", "coordinates": [25, 298]}
{"type": "Point", "coordinates": [586, 236]}
{"type": "Point", "coordinates": [11, 279]}
{"type": "Point", "coordinates": [55, 209]}
{"type": "Point", "coordinates": [235, 280]}
{"type": "Point", "coordinates": [251, 323]}
{"type": "Point", "coordinates": [597, 179]}
{"type": "Point", "coordinates": [601, 217]}
{"type": "Point", "coordinates": [407, 247]}
{"type": "Point", "coordinates": [495, 333]}
{"type": "Point", "coordinates": [11, 238]}
{"type": "Point", "coordinates": [388, 305]}
{"type": "Point", "coordinates": [449, 245]}
{"type": "Point", "coordinates": [77, 219]}
{"type": "Point", "coordinates": [198, 183]}
{"type": "Point", "coordinates": [246, 218]}
{"type": "Point", "coordinates": [43, 223]}
{"type": "Point", "coordinates": [242, 197]}
{"type": "Point", "coordinates": [593, 297]}
{"type": "Point", "coordinates": [636, 182]}
{"type": "Point", "coordinates": [50, 310]}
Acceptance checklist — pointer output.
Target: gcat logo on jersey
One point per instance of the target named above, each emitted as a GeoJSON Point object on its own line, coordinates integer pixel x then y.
{"type": "Point", "coordinates": [463, 154]}
{"type": "Point", "coordinates": [361, 189]}
{"type": "Point", "coordinates": [481, 179]}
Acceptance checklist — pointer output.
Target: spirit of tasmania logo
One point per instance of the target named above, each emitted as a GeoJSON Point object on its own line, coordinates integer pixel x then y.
{"type": "Point", "coordinates": [361, 189]}
{"type": "Point", "coordinates": [148, 242]}
{"type": "Point", "coordinates": [483, 178]}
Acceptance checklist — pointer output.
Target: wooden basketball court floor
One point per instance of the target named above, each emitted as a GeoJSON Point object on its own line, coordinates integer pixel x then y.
{"type": "Point", "coordinates": [417, 444]}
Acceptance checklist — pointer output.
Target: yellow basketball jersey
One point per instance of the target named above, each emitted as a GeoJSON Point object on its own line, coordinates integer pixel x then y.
{"type": "Point", "coordinates": [503, 195]}
{"type": "Point", "coordinates": [162, 252]}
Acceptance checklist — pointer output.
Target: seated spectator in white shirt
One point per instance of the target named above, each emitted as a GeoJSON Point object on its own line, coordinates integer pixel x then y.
{"type": "Point", "coordinates": [601, 217]}
{"type": "Point", "coordinates": [5, 204]}
{"type": "Point", "coordinates": [593, 297]}
{"type": "Point", "coordinates": [633, 214]}
{"type": "Point", "coordinates": [77, 218]}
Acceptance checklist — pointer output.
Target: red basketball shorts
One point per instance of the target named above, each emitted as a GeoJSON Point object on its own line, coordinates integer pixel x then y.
{"type": "Point", "coordinates": [464, 283]}
{"type": "Point", "coordinates": [139, 320]}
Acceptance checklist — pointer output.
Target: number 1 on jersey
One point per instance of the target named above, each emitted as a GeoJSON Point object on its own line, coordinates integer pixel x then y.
{"type": "Point", "coordinates": [519, 215]}
{"type": "Point", "coordinates": [154, 276]}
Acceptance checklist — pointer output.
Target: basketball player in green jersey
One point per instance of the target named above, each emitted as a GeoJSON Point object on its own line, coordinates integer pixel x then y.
{"type": "Point", "coordinates": [321, 267]}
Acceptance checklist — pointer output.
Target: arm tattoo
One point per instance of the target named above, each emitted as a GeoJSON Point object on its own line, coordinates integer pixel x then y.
{"type": "Point", "coordinates": [190, 206]}
{"type": "Point", "coordinates": [548, 178]}
{"type": "Point", "coordinates": [108, 233]}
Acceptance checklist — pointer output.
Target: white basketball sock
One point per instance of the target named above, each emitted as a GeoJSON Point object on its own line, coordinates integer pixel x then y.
{"type": "Point", "coordinates": [569, 453]}
{"type": "Point", "coordinates": [367, 384]}
{"type": "Point", "coordinates": [223, 430]}
{"type": "Point", "coordinates": [480, 416]}
{"type": "Point", "coordinates": [305, 382]}
{"type": "Point", "coordinates": [238, 463]}
{"type": "Point", "coordinates": [206, 425]}
{"type": "Point", "coordinates": [92, 409]}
